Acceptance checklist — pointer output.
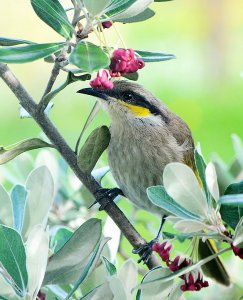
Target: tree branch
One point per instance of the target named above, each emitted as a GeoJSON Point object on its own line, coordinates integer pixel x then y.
{"type": "Point", "coordinates": [68, 154]}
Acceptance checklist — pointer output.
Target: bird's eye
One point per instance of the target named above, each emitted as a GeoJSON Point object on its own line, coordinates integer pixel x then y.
{"type": "Point", "coordinates": [127, 96]}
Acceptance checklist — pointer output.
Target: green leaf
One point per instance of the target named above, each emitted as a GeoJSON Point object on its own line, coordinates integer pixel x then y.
{"type": "Point", "coordinates": [96, 7]}
{"type": "Point", "coordinates": [13, 42]}
{"type": "Point", "coordinates": [232, 200]}
{"type": "Point", "coordinates": [10, 152]}
{"type": "Point", "coordinates": [40, 187]}
{"type": "Point", "coordinates": [6, 211]}
{"type": "Point", "coordinates": [162, 0]}
{"type": "Point", "coordinates": [182, 237]}
{"type": "Point", "coordinates": [110, 268]}
{"type": "Point", "coordinates": [182, 185]}
{"type": "Point", "coordinates": [230, 212]}
{"type": "Point", "coordinates": [234, 188]}
{"type": "Point", "coordinates": [67, 264]}
{"type": "Point", "coordinates": [94, 146]}
{"type": "Point", "coordinates": [147, 56]}
{"type": "Point", "coordinates": [18, 197]}
{"type": "Point", "coordinates": [60, 237]}
{"type": "Point", "coordinates": [53, 14]}
{"type": "Point", "coordinates": [201, 167]}
{"type": "Point", "coordinates": [157, 290]}
{"type": "Point", "coordinates": [23, 54]}
{"type": "Point", "coordinates": [159, 197]}
{"type": "Point", "coordinates": [89, 57]}
{"type": "Point", "coordinates": [143, 16]}
{"type": "Point", "coordinates": [13, 260]}
{"type": "Point", "coordinates": [89, 267]}
{"type": "Point", "coordinates": [118, 6]}
{"type": "Point", "coordinates": [131, 76]}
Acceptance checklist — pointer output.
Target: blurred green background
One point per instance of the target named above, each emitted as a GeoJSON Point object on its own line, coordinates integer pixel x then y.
{"type": "Point", "coordinates": [203, 85]}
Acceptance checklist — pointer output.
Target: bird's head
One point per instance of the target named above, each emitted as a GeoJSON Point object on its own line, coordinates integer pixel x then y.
{"type": "Point", "coordinates": [129, 101]}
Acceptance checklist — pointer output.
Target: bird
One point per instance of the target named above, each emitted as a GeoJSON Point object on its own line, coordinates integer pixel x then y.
{"type": "Point", "coordinates": [145, 136]}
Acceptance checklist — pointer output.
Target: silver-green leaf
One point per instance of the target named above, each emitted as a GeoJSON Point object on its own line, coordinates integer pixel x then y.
{"type": "Point", "coordinates": [24, 54]}
{"type": "Point", "coordinates": [53, 14]}
{"type": "Point", "coordinates": [89, 57]}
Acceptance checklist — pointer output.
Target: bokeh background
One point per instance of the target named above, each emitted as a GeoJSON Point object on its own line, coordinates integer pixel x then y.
{"type": "Point", "coordinates": [204, 84]}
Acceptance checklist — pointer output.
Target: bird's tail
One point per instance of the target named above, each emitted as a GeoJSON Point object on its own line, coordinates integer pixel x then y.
{"type": "Point", "coordinates": [214, 268]}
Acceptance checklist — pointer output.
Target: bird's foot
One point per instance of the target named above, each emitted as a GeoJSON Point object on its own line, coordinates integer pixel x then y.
{"type": "Point", "coordinates": [107, 195]}
{"type": "Point", "coordinates": [145, 251]}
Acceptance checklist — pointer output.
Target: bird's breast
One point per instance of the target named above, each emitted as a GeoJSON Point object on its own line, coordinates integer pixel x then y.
{"type": "Point", "coordinates": [137, 157]}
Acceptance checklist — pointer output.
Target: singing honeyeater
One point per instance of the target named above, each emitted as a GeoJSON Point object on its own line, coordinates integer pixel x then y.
{"type": "Point", "coordinates": [145, 137]}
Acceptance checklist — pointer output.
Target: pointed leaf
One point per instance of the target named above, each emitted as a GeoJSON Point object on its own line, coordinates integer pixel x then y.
{"type": "Point", "coordinates": [157, 290]}
{"type": "Point", "coordinates": [212, 182]}
{"type": "Point", "coordinates": [232, 200]}
{"type": "Point", "coordinates": [159, 197]}
{"type": "Point", "coordinates": [37, 247]}
{"type": "Point", "coordinates": [128, 274]}
{"type": "Point", "coordinates": [143, 16]}
{"type": "Point", "coordinates": [181, 184]}
{"type": "Point", "coordinates": [18, 197]}
{"type": "Point", "coordinates": [201, 168]}
{"type": "Point", "coordinates": [96, 7]}
{"type": "Point", "coordinates": [110, 268]}
{"type": "Point", "coordinates": [13, 259]}
{"type": "Point", "coordinates": [23, 54]}
{"type": "Point", "coordinates": [147, 56]}
{"type": "Point", "coordinates": [40, 188]}
{"type": "Point", "coordinates": [94, 146]}
{"type": "Point", "coordinates": [13, 42]}
{"type": "Point", "coordinates": [6, 210]}
{"type": "Point", "coordinates": [189, 226]}
{"type": "Point", "coordinates": [89, 266]}
{"type": "Point", "coordinates": [59, 238]}
{"type": "Point", "coordinates": [89, 57]}
{"type": "Point", "coordinates": [117, 7]}
{"type": "Point", "coordinates": [74, 253]}
{"type": "Point", "coordinates": [10, 152]}
{"type": "Point", "coordinates": [53, 14]}
{"type": "Point", "coordinates": [133, 10]}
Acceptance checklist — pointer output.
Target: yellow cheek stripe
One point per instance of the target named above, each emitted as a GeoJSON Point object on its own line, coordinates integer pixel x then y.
{"type": "Point", "coordinates": [137, 110]}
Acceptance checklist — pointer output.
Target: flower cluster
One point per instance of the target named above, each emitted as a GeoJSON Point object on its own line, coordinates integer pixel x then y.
{"type": "Point", "coordinates": [123, 61]}
{"type": "Point", "coordinates": [193, 281]}
{"type": "Point", "coordinates": [102, 82]}
{"type": "Point", "coordinates": [237, 251]}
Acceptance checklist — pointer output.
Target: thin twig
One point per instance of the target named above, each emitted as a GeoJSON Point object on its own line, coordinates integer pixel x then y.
{"type": "Point", "coordinates": [68, 154]}
{"type": "Point", "coordinates": [57, 66]}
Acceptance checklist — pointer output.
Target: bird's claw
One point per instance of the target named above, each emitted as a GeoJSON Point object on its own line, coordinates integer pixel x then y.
{"type": "Point", "coordinates": [145, 251]}
{"type": "Point", "coordinates": [108, 195]}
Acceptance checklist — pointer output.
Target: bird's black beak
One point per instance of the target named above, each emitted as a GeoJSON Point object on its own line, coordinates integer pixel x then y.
{"type": "Point", "coordinates": [93, 92]}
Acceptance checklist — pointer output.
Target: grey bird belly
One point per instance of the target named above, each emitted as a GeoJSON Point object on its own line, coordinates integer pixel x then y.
{"type": "Point", "coordinates": [137, 161]}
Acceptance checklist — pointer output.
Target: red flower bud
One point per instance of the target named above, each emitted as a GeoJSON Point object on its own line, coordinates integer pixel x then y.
{"type": "Point", "coordinates": [41, 296]}
{"type": "Point", "coordinates": [163, 250]}
{"type": "Point", "coordinates": [193, 282]}
{"type": "Point", "coordinates": [237, 251]}
{"type": "Point", "coordinates": [102, 82]}
{"type": "Point", "coordinates": [178, 263]}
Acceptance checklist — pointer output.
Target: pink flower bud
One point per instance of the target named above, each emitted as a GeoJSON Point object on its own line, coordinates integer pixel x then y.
{"type": "Point", "coordinates": [106, 24]}
{"type": "Point", "coordinates": [102, 82]}
{"type": "Point", "coordinates": [41, 296]}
